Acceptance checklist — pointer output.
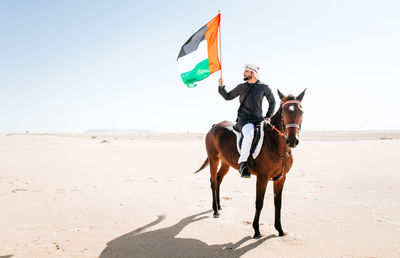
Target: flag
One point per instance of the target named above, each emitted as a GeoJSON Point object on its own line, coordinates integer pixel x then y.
{"type": "Point", "coordinates": [198, 57]}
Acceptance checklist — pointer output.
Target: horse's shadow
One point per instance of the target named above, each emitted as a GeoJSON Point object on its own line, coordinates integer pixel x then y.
{"type": "Point", "coordinates": [163, 243]}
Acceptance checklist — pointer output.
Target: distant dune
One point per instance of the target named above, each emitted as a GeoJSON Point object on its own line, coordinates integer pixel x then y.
{"type": "Point", "coordinates": [118, 131]}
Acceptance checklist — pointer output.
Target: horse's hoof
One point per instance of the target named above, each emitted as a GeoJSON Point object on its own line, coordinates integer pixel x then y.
{"type": "Point", "coordinates": [257, 236]}
{"type": "Point", "coordinates": [281, 233]}
{"type": "Point", "coordinates": [216, 215]}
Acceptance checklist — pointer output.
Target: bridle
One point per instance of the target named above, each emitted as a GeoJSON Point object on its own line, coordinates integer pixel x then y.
{"type": "Point", "coordinates": [282, 132]}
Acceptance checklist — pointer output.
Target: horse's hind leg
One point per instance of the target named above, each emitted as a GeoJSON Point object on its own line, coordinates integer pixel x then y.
{"type": "Point", "coordinates": [278, 188]}
{"type": "Point", "coordinates": [221, 173]}
{"type": "Point", "coordinates": [213, 180]}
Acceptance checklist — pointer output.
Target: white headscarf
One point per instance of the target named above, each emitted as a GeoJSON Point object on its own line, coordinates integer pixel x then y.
{"type": "Point", "coordinates": [253, 68]}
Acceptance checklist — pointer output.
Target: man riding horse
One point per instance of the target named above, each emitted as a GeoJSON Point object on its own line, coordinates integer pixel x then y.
{"type": "Point", "coordinates": [251, 95]}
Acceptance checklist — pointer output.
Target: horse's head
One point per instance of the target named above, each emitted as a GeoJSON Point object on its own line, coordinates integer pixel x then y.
{"type": "Point", "coordinates": [292, 115]}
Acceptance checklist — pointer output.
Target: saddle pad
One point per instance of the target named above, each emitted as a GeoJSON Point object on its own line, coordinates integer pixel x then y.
{"type": "Point", "coordinates": [257, 148]}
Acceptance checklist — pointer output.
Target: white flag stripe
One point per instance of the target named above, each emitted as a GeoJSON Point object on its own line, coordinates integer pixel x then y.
{"type": "Point", "coordinates": [189, 61]}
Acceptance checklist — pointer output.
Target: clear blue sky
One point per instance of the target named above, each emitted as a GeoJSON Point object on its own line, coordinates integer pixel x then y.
{"type": "Point", "coordinates": [70, 66]}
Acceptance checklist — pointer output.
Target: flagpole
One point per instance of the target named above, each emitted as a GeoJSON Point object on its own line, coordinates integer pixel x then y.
{"type": "Point", "coordinates": [220, 52]}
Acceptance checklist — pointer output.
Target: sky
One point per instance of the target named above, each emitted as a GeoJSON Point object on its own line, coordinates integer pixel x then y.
{"type": "Point", "coordinates": [72, 66]}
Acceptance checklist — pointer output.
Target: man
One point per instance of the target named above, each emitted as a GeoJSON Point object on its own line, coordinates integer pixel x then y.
{"type": "Point", "coordinates": [251, 94]}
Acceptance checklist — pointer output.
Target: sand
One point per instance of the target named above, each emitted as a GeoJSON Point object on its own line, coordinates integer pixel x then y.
{"type": "Point", "coordinates": [134, 195]}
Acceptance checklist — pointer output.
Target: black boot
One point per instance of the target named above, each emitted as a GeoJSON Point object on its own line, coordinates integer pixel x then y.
{"type": "Point", "coordinates": [244, 170]}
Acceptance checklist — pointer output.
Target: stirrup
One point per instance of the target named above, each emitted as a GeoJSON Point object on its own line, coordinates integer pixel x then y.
{"type": "Point", "coordinates": [244, 170]}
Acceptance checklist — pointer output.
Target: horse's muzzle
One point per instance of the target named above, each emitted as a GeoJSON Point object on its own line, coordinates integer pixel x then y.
{"type": "Point", "coordinates": [292, 141]}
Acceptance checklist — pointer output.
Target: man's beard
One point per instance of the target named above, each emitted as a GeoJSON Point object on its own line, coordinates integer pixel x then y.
{"type": "Point", "coordinates": [245, 78]}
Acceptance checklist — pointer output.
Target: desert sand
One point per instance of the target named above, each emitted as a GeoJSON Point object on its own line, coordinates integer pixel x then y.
{"type": "Point", "coordinates": [134, 195]}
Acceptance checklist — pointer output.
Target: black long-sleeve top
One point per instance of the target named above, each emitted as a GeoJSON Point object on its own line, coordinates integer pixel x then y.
{"type": "Point", "coordinates": [252, 107]}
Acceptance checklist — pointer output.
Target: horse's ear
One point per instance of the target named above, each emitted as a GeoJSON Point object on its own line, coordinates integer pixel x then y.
{"type": "Point", "coordinates": [300, 97]}
{"type": "Point", "coordinates": [281, 96]}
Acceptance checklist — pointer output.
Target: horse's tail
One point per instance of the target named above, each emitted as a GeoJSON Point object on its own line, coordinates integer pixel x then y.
{"type": "Point", "coordinates": [202, 166]}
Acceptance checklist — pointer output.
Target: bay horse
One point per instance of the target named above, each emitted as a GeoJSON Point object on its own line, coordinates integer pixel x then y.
{"type": "Point", "coordinates": [273, 162]}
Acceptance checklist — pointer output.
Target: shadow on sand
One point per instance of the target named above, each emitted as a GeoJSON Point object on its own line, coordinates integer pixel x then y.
{"type": "Point", "coordinates": [163, 243]}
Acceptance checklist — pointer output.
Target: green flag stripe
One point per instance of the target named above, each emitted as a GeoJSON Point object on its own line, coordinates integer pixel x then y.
{"type": "Point", "coordinates": [200, 72]}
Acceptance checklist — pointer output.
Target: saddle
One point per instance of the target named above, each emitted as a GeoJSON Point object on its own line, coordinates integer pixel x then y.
{"type": "Point", "coordinates": [257, 140]}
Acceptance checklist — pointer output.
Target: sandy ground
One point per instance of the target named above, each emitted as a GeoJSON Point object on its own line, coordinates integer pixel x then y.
{"type": "Point", "coordinates": [103, 196]}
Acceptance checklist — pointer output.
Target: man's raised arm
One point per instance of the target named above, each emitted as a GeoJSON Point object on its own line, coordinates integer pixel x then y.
{"type": "Point", "coordinates": [227, 95]}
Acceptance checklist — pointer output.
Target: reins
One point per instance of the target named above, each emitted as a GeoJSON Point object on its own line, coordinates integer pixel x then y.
{"type": "Point", "coordinates": [279, 132]}
{"type": "Point", "coordinates": [284, 157]}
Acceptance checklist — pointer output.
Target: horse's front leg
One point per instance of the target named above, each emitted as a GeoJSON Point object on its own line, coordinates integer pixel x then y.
{"type": "Point", "coordinates": [278, 188]}
{"type": "Point", "coordinates": [261, 186]}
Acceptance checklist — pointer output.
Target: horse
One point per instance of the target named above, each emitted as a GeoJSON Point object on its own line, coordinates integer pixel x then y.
{"type": "Point", "coordinates": [273, 162]}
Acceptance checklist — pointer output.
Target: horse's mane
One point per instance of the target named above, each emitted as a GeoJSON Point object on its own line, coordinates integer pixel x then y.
{"type": "Point", "coordinates": [276, 118]}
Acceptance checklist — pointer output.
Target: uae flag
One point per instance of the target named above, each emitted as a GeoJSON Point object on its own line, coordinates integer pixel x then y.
{"type": "Point", "coordinates": [198, 57]}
